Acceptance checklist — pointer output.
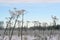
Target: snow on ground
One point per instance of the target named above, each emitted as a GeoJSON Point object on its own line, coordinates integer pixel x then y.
{"type": "Point", "coordinates": [34, 35]}
{"type": "Point", "coordinates": [15, 37]}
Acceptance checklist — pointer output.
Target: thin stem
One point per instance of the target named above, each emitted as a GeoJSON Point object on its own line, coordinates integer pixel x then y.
{"type": "Point", "coordinates": [13, 27]}
{"type": "Point", "coordinates": [7, 27]}
{"type": "Point", "coordinates": [22, 26]}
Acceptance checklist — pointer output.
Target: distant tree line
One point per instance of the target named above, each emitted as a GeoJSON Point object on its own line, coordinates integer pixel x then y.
{"type": "Point", "coordinates": [57, 27]}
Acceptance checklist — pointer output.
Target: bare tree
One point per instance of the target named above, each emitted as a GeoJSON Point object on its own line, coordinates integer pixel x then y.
{"type": "Point", "coordinates": [54, 20]}
{"type": "Point", "coordinates": [18, 13]}
{"type": "Point", "coordinates": [39, 24]}
{"type": "Point", "coordinates": [19, 25]}
{"type": "Point", "coordinates": [9, 21]}
{"type": "Point", "coordinates": [45, 24]}
{"type": "Point", "coordinates": [28, 23]}
{"type": "Point", "coordinates": [35, 23]}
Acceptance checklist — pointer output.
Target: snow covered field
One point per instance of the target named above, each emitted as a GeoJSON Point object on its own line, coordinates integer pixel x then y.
{"type": "Point", "coordinates": [15, 37]}
{"type": "Point", "coordinates": [34, 35]}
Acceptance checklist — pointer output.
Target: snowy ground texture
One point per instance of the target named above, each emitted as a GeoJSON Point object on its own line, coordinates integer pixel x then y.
{"type": "Point", "coordinates": [34, 35]}
{"type": "Point", "coordinates": [15, 37]}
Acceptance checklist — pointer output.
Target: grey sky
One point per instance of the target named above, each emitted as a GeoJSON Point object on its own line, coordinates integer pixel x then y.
{"type": "Point", "coordinates": [29, 1]}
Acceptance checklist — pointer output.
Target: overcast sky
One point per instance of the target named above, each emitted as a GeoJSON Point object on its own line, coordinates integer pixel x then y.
{"type": "Point", "coordinates": [29, 1]}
